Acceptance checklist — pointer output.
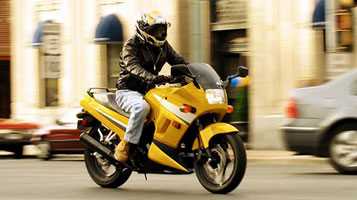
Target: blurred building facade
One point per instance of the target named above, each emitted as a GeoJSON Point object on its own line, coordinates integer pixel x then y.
{"type": "Point", "coordinates": [57, 57]}
{"type": "Point", "coordinates": [275, 39]}
{"type": "Point", "coordinates": [285, 52]}
{"type": "Point", "coordinates": [5, 59]}
{"type": "Point", "coordinates": [295, 44]}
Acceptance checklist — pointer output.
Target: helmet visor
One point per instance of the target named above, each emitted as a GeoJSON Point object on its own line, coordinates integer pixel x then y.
{"type": "Point", "coordinates": [159, 31]}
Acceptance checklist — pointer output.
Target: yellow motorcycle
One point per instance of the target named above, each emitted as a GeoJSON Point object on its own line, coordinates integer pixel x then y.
{"type": "Point", "coordinates": [182, 134]}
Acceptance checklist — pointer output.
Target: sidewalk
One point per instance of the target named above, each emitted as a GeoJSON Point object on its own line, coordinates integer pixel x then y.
{"type": "Point", "coordinates": [278, 155]}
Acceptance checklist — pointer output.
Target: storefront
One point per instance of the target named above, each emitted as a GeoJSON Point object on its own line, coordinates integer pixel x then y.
{"type": "Point", "coordinates": [5, 94]}
{"type": "Point", "coordinates": [46, 40]}
{"type": "Point", "coordinates": [109, 35]}
{"type": "Point", "coordinates": [335, 19]}
{"type": "Point", "coordinates": [229, 29]}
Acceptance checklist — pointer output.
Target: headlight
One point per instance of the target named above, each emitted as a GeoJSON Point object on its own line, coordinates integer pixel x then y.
{"type": "Point", "coordinates": [215, 96]}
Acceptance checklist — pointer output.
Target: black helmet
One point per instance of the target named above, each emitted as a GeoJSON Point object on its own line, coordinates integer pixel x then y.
{"type": "Point", "coordinates": [152, 28]}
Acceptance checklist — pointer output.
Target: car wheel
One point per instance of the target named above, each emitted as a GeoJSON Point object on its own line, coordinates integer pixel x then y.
{"type": "Point", "coordinates": [343, 149]}
{"type": "Point", "coordinates": [45, 150]}
{"type": "Point", "coordinates": [18, 151]}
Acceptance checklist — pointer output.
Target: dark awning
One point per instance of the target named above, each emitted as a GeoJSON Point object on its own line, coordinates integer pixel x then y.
{"type": "Point", "coordinates": [37, 36]}
{"type": "Point", "coordinates": [318, 17]}
{"type": "Point", "coordinates": [109, 30]}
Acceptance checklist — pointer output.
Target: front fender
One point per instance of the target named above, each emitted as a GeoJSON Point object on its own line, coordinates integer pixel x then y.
{"type": "Point", "coordinates": [212, 130]}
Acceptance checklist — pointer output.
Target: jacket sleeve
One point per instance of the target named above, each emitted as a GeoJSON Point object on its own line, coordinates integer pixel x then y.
{"type": "Point", "coordinates": [173, 58]}
{"type": "Point", "coordinates": [132, 62]}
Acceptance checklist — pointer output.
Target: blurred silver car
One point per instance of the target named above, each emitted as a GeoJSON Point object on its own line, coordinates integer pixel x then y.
{"type": "Point", "coordinates": [322, 121]}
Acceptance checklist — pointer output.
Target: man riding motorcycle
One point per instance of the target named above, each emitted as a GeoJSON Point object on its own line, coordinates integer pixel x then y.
{"type": "Point", "coordinates": [142, 58]}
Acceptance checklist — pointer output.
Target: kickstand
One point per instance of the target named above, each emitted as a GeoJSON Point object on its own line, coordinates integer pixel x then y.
{"type": "Point", "coordinates": [146, 178]}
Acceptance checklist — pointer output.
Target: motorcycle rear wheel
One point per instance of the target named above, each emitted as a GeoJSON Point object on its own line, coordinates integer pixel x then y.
{"type": "Point", "coordinates": [229, 154]}
{"type": "Point", "coordinates": [102, 172]}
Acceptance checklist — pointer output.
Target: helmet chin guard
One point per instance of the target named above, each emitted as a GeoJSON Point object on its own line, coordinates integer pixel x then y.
{"type": "Point", "coordinates": [149, 38]}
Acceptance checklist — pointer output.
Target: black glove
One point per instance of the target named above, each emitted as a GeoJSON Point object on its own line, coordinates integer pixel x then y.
{"type": "Point", "coordinates": [157, 80]}
{"type": "Point", "coordinates": [178, 79]}
{"type": "Point", "coordinates": [161, 79]}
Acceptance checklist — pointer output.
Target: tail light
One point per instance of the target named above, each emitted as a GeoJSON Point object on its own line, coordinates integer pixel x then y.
{"type": "Point", "coordinates": [83, 122]}
{"type": "Point", "coordinates": [292, 109]}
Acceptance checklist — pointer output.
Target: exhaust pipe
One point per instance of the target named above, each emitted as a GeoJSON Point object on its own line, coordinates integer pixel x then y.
{"type": "Point", "coordinates": [96, 146]}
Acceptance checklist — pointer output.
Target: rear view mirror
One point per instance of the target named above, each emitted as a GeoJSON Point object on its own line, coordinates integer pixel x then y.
{"type": "Point", "coordinates": [179, 70]}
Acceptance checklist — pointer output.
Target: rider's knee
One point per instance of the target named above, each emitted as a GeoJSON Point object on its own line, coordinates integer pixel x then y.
{"type": "Point", "coordinates": [142, 108]}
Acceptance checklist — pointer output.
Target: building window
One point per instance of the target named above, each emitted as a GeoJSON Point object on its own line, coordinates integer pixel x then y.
{"type": "Point", "coordinates": [47, 39]}
{"type": "Point", "coordinates": [51, 92]}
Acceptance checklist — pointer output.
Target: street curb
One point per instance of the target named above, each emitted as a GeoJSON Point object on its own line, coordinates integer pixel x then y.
{"type": "Point", "coordinates": [31, 150]}
{"type": "Point", "coordinates": [278, 155]}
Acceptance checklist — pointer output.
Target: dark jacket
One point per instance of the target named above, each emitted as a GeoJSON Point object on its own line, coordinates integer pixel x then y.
{"type": "Point", "coordinates": [140, 63]}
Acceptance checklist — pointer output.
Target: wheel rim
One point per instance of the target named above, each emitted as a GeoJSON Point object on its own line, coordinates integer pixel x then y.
{"type": "Point", "coordinates": [44, 148]}
{"type": "Point", "coordinates": [103, 165]}
{"type": "Point", "coordinates": [344, 149]}
{"type": "Point", "coordinates": [223, 171]}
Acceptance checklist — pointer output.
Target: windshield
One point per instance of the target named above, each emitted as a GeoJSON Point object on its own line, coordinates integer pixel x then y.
{"type": "Point", "coordinates": [206, 76]}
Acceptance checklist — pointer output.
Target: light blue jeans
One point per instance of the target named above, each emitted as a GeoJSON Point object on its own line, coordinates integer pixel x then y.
{"type": "Point", "coordinates": [133, 103]}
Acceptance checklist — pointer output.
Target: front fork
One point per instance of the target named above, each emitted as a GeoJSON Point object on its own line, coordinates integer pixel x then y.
{"type": "Point", "coordinates": [204, 154]}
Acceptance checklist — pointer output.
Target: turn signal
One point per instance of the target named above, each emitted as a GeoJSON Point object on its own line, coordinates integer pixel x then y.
{"type": "Point", "coordinates": [187, 109]}
{"type": "Point", "coordinates": [230, 109]}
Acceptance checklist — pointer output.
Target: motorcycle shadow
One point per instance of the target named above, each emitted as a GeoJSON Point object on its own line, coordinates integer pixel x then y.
{"type": "Point", "coordinates": [12, 157]}
{"type": "Point", "coordinates": [185, 192]}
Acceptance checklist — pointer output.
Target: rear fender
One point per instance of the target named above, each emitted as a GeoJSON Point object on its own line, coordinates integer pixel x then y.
{"type": "Point", "coordinates": [107, 117]}
{"type": "Point", "coordinates": [212, 130]}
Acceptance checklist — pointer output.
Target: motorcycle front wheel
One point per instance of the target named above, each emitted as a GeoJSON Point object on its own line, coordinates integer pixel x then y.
{"type": "Point", "coordinates": [102, 171]}
{"type": "Point", "coordinates": [224, 171]}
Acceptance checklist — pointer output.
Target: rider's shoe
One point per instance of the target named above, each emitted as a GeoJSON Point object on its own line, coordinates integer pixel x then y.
{"type": "Point", "coordinates": [122, 151]}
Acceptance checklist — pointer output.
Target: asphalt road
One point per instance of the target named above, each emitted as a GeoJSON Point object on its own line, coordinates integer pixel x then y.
{"type": "Point", "coordinates": [266, 179]}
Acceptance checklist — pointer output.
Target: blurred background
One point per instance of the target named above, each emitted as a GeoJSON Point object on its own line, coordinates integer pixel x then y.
{"type": "Point", "coordinates": [52, 51]}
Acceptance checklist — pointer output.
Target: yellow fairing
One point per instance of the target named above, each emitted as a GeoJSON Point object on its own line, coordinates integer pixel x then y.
{"type": "Point", "coordinates": [109, 118]}
{"type": "Point", "coordinates": [212, 130]}
{"type": "Point", "coordinates": [165, 103]}
{"type": "Point", "coordinates": [155, 154]}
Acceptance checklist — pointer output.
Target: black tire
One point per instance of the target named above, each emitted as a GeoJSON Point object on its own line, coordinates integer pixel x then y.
{"type": "Point", "coordinates": [99, 176]}
{"type": "Point", "coordinates": [335, 140]}
{"type": "Point", "coordinates": [18, 152]}
{"type": "Point", "coordinates": [113, 181]}
{"type": "Point", "coordinates": [238, 169]}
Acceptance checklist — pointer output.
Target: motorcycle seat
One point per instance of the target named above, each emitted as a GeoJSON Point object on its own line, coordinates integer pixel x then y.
{"type": "Point", "coordinates": [107, 99]}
